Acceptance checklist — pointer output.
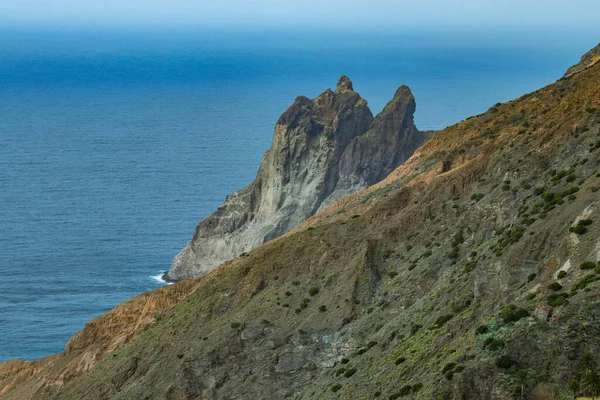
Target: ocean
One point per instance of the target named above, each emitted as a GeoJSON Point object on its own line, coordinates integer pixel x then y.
{"type": "Point", "coordinates": [114, 145]}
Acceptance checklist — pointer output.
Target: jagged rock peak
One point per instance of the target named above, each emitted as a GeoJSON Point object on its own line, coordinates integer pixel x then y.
{"type": "Point", "coordinates": [344, 85]}
{"type": "Point", "coordinates": [390, 140]}
{"type": "Point", "coordinates": [403, 92]}
{"type": "Point", "coordinates": [402, 98]}
{"type": "Point", "coordinates": [297, 173]}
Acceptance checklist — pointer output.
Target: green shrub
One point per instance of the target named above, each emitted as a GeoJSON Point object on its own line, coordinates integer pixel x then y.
{"type": "Point", "coordinates": [345, 361]}
{"type": "Point", "coordinates": [512, 313]}
{"type": "Point", "coordinates": [555, 286]}
{"type": "Point", "coordinates": [404, 391]}
{"type": "Point", "coordinates": [399, 360]}
{"type": "Point", "coordinates": [235, 325]}
{"type": "Point", "coordinates": [458, 238]}
{"type": "Point", "coordinates": [548, 196]}
{"type": "Point", "coordinates": [392, 274]}
{"type": "Point", "coordinates": [587, 265]}
{"type": "Point", "coordinates": [578, 229]}
{"type": "Point", "coordinates": [481, 330]}
{"type": "Point", "coordinates": [510, 236]}
{"type": "Point", "coordinates": [441, 321]}
{"type": "Point", "coordinates": [448, 367]}
{"type": "Point", "coordinates": [562, 274]}
{"type": "Point", "coordinates": [528, 221]}
{"type": "Point", "coordinates": [582, 283]}
{"type": "Point", "coordinates": [539, 190]}
{"type": "Point", "coordinates": [585, 222]}
{"type": "Point", "coordinates": [416, 387]}
{"type": "Point", "coordinates": [453, 254]}
{"type": "Point", "coordinates": [570, 191]}
{"type": "Point", "coordinates": [313, 291]}
{"type": "Point", "coordinates": [470, 266]}
{"type": "Point", "coordinates": [322, 308]}
{"type": "Point", "coordinates": [492, 344]}
{"type": "Point", "coordinates": [557, 299]}
{"type": "Point", "coordinates": [340, 371]}
{"type": "Point", "coordinates": [414, 329]}
{"type": "Point", "coordinates": [477, 196]}
{"type": "Point", "coordinates": [335, 388]}
{"type": "Point", "coordinates": [563, 173]}
{"type": "Point", "coordinates": [350, 372]}
{"type": "Point", "coordinates": [504, 362]}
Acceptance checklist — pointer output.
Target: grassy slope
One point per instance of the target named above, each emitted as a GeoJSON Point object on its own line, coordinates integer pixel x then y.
{"type": "Point", "coordinates": [405, 271]}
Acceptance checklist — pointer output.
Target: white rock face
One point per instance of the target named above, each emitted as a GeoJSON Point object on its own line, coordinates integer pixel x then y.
{"type": "Point", "coordinates": [300, 171]}
{"type": "Point", "coordinates": [566, 267]}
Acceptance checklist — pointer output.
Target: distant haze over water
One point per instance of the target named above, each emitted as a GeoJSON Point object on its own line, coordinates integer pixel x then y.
{"type": "Point", "coordinates": [114, 145]}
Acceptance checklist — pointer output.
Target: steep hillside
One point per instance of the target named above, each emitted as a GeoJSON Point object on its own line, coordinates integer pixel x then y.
{"type": "Point", "coordinates": [470, 272]}
{"type": "Point", "coordinates": [322, 149]}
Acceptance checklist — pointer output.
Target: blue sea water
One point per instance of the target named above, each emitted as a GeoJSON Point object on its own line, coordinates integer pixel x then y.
{"type": "Point", "coordinates": [113, 146]}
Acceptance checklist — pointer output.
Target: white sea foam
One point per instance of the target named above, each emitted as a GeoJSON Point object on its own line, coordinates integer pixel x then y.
{"type": "Point", "coordinates": [159, 278]}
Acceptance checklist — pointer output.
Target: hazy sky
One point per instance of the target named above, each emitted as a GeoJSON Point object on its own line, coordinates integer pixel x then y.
{"type": "Point", "coordinates": [383, 14]}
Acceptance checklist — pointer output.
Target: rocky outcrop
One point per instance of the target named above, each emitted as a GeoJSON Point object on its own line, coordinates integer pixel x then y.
{"type": "Point", "coordinates": [322, 149]}
{"type": "Point", "coordinates": [390, 140]}
{"type": "Point", "coordinates": [587, 60]}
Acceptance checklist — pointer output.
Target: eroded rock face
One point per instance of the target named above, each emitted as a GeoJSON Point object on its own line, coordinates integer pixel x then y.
{"type": "Point", "coordinates": [390, 140]}
{"type": "Point", "coordinates": [322, 149]}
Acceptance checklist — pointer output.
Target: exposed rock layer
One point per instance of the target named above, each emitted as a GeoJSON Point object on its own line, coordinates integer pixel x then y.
{"type": "Point", "coordinates": [322, 149]}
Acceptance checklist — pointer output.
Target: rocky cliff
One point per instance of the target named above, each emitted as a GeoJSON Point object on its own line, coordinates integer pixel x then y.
{"type": "Point", "coordinates": [322, 149]}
